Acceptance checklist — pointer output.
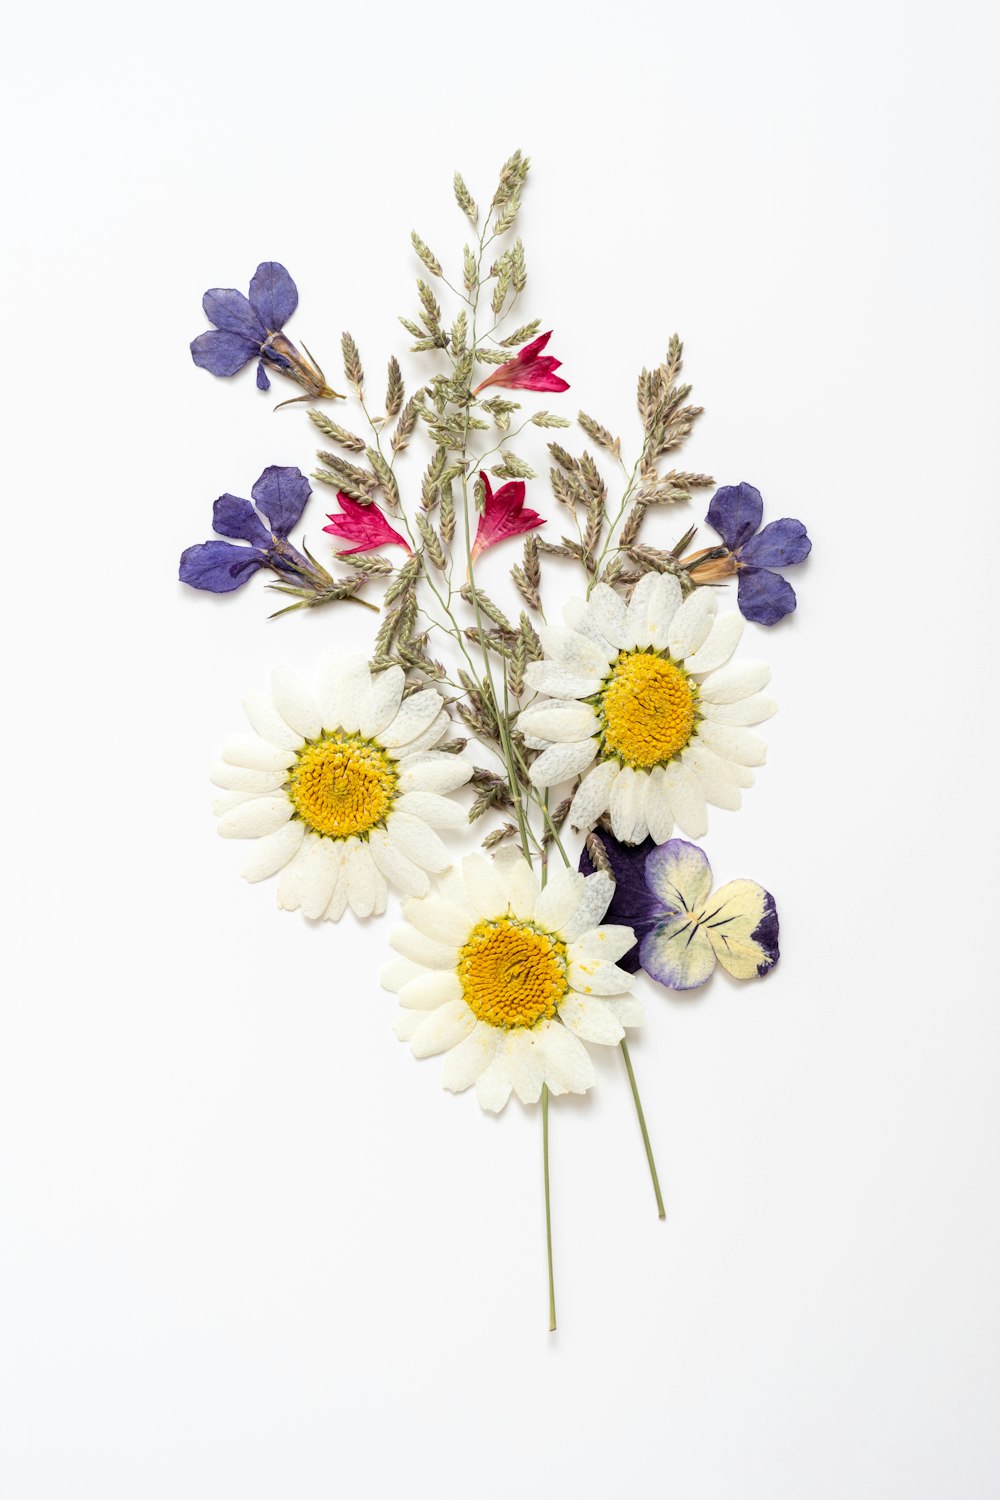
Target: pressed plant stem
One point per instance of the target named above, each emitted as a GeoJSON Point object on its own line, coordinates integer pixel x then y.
{"type": "Point", "coordinates": [623, 1044]}
{"type": "Point", "coordinates": [548, 1207]}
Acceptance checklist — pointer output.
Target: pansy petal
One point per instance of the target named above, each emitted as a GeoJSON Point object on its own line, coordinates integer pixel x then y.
{"type": "Point", "coordinates": [273, 295]}
{"type": "Point", "coordinates": [223, 353]}
{"type": "Point", "coordinates": [779, 544]}
{"type": "Point", "coordinates": [735, 512]}
{"type": "Point", "coordinates": [281, 493]}
{"type": "Point", "coordinates": [742, 926]}
{"type": "Point", "coordinates": [679, 875]}
{"type": "Point", "coordinates": [677, 953]}
{"type": "Point", "coordinates": [723, 638]}
{"type": "Point", "coordinates": [764, 597]}
{"type": "Point", "coordinates": [562, 762]}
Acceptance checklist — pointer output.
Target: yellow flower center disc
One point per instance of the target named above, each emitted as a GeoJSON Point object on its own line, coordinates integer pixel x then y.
{"type": "Point", "coordinates": [512, 974]}
{"type": "Point", "coordinates": [342, 785]}
{"type": "Point", "coordinates": [648, 705]}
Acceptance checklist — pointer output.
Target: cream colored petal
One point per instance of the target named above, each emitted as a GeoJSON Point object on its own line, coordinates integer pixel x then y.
{"type": "Point", "coordinates": [362, 887]}
{"type": "Point", "coordinates": [567, 1062]}
{"type": "Point", "coordinates": [628, 1009]}
{"type": "Point", "coordinates": [440, 919]}
{"type": "Point", "coordinates": [291, 883]}
{"type": "Point", "coordinates": [687, 800]}
{"type": "Point", "coordinates": [591, 1020]}
{"type": "Point", "coordinates": [465, 1063]}
{"type": "Point", "coordinates": [397, 972]}
{"type": "Point", "coordinates": [610, 613]}
{"type": "Point", "coordinates": [608, 944]}
{"type": "Point", "coordinates": [443, 1029]}
{"type": "Point", "coordinates": [656, 804]}
{"type": "Point", "coordinates": [256, 818]}
{"type": "Point", "coordinates": [342, 684]}
{"type": "Point", "coordinates": [664, 605]}
{"type": "Point", "coordinates": [432, 809]}
{"type": "Point", "coordinates": [598, 976]}
{"type": "Point", "coordinates": [690, 627]}
{"type": "Point", "coordinates": [401, 873]}
{"type": "Point", "coordinates": [271, 854]}
{"type": "Point", "coordinates": [486, 890]}
{"type": "Point", "coordinates": [240, 779]}
{"type": "Point", "coordinates": [522, 886]}
{"type": "Point", "coordinates": [414, 715]}
{"type": "Point", "coordinates": [428, 738]}
{"type": "Point", "coordinates": [558, 899]}
{"type": "Point", "coordinates": [732, 683]}
{"type": "Point", "coordinates": [595, 899]}
{"type": "Point", "coordinates": [522, 1051]}
{"type": "Point", "coordinates": [593, 794]}
{"type": "Point", "coordinates": [722, 641]}
{"type": "Point", "coordinates": [748, 711]}
{"type": "Point", "coordinates": [255, 754]}
{"type": "Point", "coordinates": [572, 650]}
{"type": "Point", "coordinates": [263, 717]}
{"type": "Point", "coordinates": [380, 704]}
{"type": "Point", "coordinates": [739, 745]}
{"type": "Point", "coordinates": [559, 682]}
{"type": "Point", "coordinates": [433, 988]}
{"type": "Point", "coordinates": [562, 721]}
{"type": "Point", "coordinates": [338, 901]}
{"type": "Point", "coordinates": [433, 771]}
{"type": "Point", "coordinates": [226, 801]}
{"type": "Point", "coordinates": [417, 842]}
{"type": "Point", "coordinates": [494, 1084]}
{"type": "Point", "coordinates": [381, 894]}
{"type": "Point", "coordinates": [719, 788]}
{"type": "Point", "coordinates": [318, 877]}
{"type": "Point", "coordinates": [421, 949]}
{"type": "Point", "coordinates": [561, 763]}
{"type": "Point", "coordinates": [294, 702]}
{"type": "Point", "coordinates": [576, 613]}
{"type": "Point", "coordinates": [628, 821]}
{"type": "Point", "coordinates": [406, 1023]}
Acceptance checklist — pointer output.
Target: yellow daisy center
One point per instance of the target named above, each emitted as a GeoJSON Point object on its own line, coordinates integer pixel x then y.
{"type": "Point", "coordinates": [648, 705]}
{"type": "Point", "coordinates": [512, 974]}
{"type": "Point", "coordinates": [342, 785]}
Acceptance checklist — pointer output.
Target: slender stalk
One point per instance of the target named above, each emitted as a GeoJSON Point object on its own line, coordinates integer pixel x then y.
{"type": "Point", "coordinates": [642, 1126]}
{"type": "Point", "coordinates": [548, 1207]}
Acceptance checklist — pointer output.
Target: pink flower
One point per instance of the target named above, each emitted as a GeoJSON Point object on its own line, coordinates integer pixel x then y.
{"type": "Point", "coordinates": [531, 370]}
{"type": "Point", "coordinates": [503, 515]}
{"type": "Point", "coordinates": [365, 525]}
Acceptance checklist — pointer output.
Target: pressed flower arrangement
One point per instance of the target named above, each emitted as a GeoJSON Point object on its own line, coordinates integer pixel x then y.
{"type": "Point", "coordinates": [590, 745]}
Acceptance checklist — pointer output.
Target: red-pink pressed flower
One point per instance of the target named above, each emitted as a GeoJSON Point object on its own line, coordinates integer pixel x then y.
{"type": "Point", "coordinates": [503, 515]}
{"type": "Point", "coordinates": [531, 370]}
{"type": "Point", "coordinates": [365, 525]}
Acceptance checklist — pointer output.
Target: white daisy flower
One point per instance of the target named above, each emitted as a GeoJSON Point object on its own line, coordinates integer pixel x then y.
{"type": "Point", "coordinates": [342, 788]}
{"type": "Point", "coordinates": [511, 980]}
{"type": "Point", "coordinates": [640, 697]}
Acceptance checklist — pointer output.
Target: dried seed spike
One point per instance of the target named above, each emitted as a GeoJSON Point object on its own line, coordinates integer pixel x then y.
{"type": "Point", "coordinates": [352, 362]}
{"type": "Point", "coordinates": [599, 855]}
{"type": "Point", "coordinates": [427, 255]}
{"type": "Point", "coordinates": [465, 200]}
{"type": "Point", "coordinates": [394, 389]}
{"type": "Point", "coordinates": [331, 429]}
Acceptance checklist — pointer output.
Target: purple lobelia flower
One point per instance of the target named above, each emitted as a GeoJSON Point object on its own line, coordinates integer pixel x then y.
{"type": "Point", "coordinates": [249, 328]}
{"type": "Point", "coordinates": [683, 928]}
{"type": "Point", "coordinates": [763, 595]}
{"type": "Point", "coordinates": [220, 567]}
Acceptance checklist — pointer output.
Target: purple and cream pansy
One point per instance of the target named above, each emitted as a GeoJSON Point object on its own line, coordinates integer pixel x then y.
{"type": "Point", "coordinates": [683, 928]}
{"type": "Point", "coordinates": [280, 496]}
{"type": "Point", "coordinates": [247, 328]}
{"type": "Point", "coordinates": [762, 594]}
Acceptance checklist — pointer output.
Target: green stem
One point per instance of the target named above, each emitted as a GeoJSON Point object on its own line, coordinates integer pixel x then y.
{"type": "Point", "coordinates": [548, 1207]}
{"type": "Point", "coordinates": [642, 1126]}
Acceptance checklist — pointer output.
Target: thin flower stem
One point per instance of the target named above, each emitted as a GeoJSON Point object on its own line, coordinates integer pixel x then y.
{"type": "Point", "coordinates": [548, 1207]}
{"type": "Point", "coordinates": [623, 1044]}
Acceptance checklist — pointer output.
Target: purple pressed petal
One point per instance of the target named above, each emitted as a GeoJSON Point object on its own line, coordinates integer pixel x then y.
{"type": "Point", "coordinates": [735, 513]}
{"type": "Point", "coordinates": [231, 311]}
{"type": "Point", "coordinates": [632, 905]}
{"type": "Point", "coordinates": [766, 934]}
{"type": "Point", "coordinates": [281, 493]}
{"type": "Point", "coordinates": [273, 295]}
{"type": "Point", "coordinates": [223, 353]}
{"type": "Point", "coordinates": [763, 597]}
{"type": "Point", "coordinates": [263, 384]}
{"type": "Point", "coordinates": [219, 567]}
{"type": "Point", "coordinates": [678, 875]}
{"type": "Point", "coordinates": [778, 545]}
{"type": "Point", "coordinates": [232, 516]}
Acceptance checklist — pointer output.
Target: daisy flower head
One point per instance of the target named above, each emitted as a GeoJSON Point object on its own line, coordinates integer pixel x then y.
{"type": "Point", "coordinates": [510, 979]}
{"type": "Point", "coordinates": [342, 788]}
{"type": "Point", "coordinates": [643, 699]}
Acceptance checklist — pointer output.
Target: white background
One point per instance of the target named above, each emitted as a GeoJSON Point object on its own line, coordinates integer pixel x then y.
{"type": "Point", "coordinates": [249, 1248]}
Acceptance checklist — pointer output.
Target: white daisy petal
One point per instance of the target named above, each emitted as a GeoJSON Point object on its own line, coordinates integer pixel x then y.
{"type": "Point", "coordinates": [428, 738]}
{"type": "Point", "coordinates": [417, 842]}
{"type": "Point", "coordinates": [338, 901]}
{"type": "Point", "coordinates": [608, 943]}
{"type": "Point", "coordinates": [395, 867]}
{"type": "Point", "coordinates": [342, 684]}
{"type": "Point", "coordinates": [255, 754]}
{"type": "Point", "coordinates": [466, 1062]}
{"type": "Point", "coordinates": [397, 972]}
{"type": "Point", "coordinates": [291, 883]}
{"type": "Point", "coordinates": [562, 721]}
{"type": "Point", "coordinates": [628, 1009]}
{"type": "Point", "coordinates": [560, 763]}
{"type": "Point", "coordinates": [414, 715]}
{"type": "Point", "coordinates": [263, 717]}
{"type": "Point", "coordinates": [443, 1028]}
{"type": "Point", "coordinates": [254, 819]}
{"type": "Point", "coordinates": [598, 976]}
{"type": "Point", "coordinates": [576, 613]}
{"type": "Point", "coordinates": [406, 1023]}
{"type": "Point", "coordinates": [718, 785]}
{"type": "Point", "coordinates": [359, 874]}
{"type": "Point", "coordinates": [572, 650]}
{"type": "Point", "coordinates": [663, 607]}
{"type": "Point", "coordinates": [559, 899]}
{"type": "Point", "coordinates": [567, 1061]}
{"type": "Point", "coordinates": [722, 641]}
{"type": "Point", "coordinates": [487, 891]}
{"type": "Point", "coordinates": [525, 1061]}
{"type": "Point", "coordinates": [294, 703]}
{"type": "Point", "coordinates": [228, 800]}
{"type": "Point", "coordinates": [687, 800]}
{"type": "Point", "coordinates": [732, 683]}
{"type": "Point", "coordinates": [272, 853]}
{"type": "Point", "coordinates": [421, 949]}
{"type": "Point", "coordinates": [432, 809]}
{"type": "Point", "coordinates": [559, 682]}
{"type": "Point", "coordinates": [240, 779]}
{"type": "Point", "coordinates": [590, 1019]}
{"type": "Point", "coordinates": [434, 988]}
{"type": "Point", "coordinates": [433, 771]}
{"type": "Point", "coordinates": [381, 702]}
{"type": "Point", "coordinates": [439, 918]}
{"type": "Point", "coordinates": [626, 806]}
{"type": "Point", "coordinates": [381, 894]}
{"type": "Point", "coordinates": [748, 711]}
{"type": "Point", "coordinates": [594, 902]}
{"type": "Point", "coordinates": [735, 774]}
{"type": "Point", "coordinates": [522, 887]}
{"type": "Point", "coordinates": [610, 613]}
{"type": "Point", "coordinates": [493, 1086]}
{"type": "Point", "coordinates": [690, 627]}
{"type": "Point", "coordinates": [593, 794]}
{"type": "Point", "coordinates": [659, 816]}
{"type": "Point", "coordinates": [740, 745]}
{"type": "Point", "coordinates": [320, 868]}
